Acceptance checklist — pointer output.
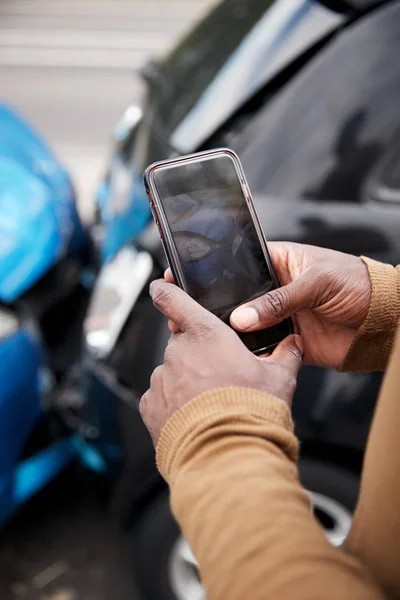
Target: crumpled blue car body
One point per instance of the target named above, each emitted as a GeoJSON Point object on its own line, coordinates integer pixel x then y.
{"type": "Point", "coordinates": [39, 225]}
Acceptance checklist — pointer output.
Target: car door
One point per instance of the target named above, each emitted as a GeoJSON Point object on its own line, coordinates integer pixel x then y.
{"type": "Point", "coordinates": [323, 160]}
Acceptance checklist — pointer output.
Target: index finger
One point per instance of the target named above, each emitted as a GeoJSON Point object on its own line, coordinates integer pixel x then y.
{"type": "Point", "coordinates": [179, 307]}
{"type": "Point", "coordinates": [168, 276]}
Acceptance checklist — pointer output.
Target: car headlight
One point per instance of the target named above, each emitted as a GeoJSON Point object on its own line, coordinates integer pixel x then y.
{"type": "Point", "coordinates": [118, 286]}
{"type": "Point", "coordinates": [9, 323]}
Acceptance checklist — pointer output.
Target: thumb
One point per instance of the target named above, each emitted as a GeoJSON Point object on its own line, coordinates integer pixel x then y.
{"type": "Point", "coordinates": [289, 354]}
{"type": "Point", "coordinates": [276, 305]}
{"type": "Point", "coordinates": [179, 307]}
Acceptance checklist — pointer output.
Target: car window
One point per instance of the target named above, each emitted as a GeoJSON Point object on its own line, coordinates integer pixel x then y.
{"type": "Point", "coordinates": [194, 63]}
{"type": "Point", "coordinates": [326, 131]}
{"type": "Point", "coordinates": [228, 58]}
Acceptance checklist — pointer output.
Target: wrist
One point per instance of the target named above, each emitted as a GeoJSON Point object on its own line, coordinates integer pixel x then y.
{"type": "Point", "coordinates": [373, 342]}
{"type": "Point", "coordinates": [223, 412]}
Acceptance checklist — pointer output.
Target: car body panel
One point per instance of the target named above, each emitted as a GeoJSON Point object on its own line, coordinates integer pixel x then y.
{"type": "Point", "coordinates": [19, 397]}
{"type": "Point", "coordinates": [40, 236]}
{"type": "Point", "coordinates": [310, 148]}
{"type": "Point", "coordinates": [310, 153]}
{"type": "Point", "coordinates": [38, 217]}
{"type": "Point", "coordinates": [19, 407]}
{"type": "Point", "coordinates": [128, 222]}
{"type": "Point", "coordinates": [261, 43]}
{"type": "Point", "coordinates": [323, 133]}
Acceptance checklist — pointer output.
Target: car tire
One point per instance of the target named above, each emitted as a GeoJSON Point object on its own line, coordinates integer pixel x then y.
{"type": "Point", "coordinates": [334, 492]}
{"type": "Point", "coordinates": [154, 538]}
{"type": "Point", "coordinates": [163, 565]}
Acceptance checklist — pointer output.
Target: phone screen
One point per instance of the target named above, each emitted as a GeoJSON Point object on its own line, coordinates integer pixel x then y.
{"type": "Point", "coordinates": [220, 254]}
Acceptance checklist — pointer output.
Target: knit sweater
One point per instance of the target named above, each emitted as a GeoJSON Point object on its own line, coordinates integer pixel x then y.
{"type": "Point", "coordinates": [230, 456]}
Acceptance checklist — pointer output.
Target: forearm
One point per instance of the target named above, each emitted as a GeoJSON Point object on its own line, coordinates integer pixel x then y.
{"type": "Point", "coordinates": [229, 457]}
{"type": "Point", "coordinates": [371, 348]}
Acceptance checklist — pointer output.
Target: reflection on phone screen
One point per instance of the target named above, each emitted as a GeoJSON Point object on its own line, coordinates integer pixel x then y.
{"type": "Point", "coordinates": [219, 251]}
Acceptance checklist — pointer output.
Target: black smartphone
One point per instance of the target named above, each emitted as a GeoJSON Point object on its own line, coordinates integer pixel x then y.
{"type": "Point", "coordinates": [212, 236]}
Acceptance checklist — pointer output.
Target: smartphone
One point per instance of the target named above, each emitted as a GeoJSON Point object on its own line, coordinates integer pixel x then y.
{"type": "Point", "coordinates": [212, 237]}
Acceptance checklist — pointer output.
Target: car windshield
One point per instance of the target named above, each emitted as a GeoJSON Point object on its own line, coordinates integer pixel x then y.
{"type": "Point", "coordinates": [239, 47]}
{"type": "Point", "coordinates": [192, 65]}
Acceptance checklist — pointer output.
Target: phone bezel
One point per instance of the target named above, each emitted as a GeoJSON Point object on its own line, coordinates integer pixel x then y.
{"type": "Point", "coordinates": [163, 225]}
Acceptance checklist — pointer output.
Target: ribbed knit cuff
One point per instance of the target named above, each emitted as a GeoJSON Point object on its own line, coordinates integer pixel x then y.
{"type": "Point", "coordinates": [231, 411]}
{"type": "Point", "coordinates": [372, 345]}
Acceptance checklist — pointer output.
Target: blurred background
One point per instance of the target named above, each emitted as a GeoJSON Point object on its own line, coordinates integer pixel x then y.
{"type": "Point", "coordinates": [92, 92]}
{"type": "Point", "coordinates": [70, 67]}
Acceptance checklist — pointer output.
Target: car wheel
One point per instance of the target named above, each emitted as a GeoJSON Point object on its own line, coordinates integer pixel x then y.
{"type": "Point", "coordinates": [334, 493]}
{"type": "Point", "coordinates": [164, 563]}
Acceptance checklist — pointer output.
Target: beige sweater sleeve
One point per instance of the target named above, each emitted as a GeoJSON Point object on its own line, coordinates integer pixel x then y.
{"type": "Point", "coordinates": [230, 459]}
{"type": "Point", "coordinates": [373, 343]}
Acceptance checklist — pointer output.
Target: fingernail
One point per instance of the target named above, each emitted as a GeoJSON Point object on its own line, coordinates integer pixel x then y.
{"type": "Point", "coordinates": [152, 288]}
{"type": "Point", "coordinates": [245, 318]}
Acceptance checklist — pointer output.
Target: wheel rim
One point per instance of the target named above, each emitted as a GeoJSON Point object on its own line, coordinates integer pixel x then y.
{"type": "Point", "coordinates": [184, 577]}
{"type": "Point", "coordinates": [183, 572]}
{"type": "Point", "coordinates": [333, 516]}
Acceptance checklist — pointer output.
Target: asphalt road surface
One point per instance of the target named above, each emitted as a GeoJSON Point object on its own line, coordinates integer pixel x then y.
{"type": "Point", "coordinates": [70, 67]}
{"type": "Point", "coordinates": [65, 545]}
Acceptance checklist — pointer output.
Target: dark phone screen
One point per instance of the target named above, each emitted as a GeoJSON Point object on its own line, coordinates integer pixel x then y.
{"type": "Point", "coordinates": [219, 251]}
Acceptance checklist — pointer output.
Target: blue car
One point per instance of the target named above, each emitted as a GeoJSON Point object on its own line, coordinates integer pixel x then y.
{"type": "Point", "coordinates": [45, 258]}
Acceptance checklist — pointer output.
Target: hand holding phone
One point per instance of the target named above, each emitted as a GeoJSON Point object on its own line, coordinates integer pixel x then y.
{"type": "Point", "coordinates": [212, 237]}
{"type": "Point", "coordinates": [208, 355]}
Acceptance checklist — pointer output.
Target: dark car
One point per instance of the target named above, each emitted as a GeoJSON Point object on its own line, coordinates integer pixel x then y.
{"type": "Point", "coordinates": [308, 94]}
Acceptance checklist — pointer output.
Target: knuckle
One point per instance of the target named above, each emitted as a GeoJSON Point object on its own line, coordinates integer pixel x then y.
{"type": "Point", "coordinates": [202, 329]}
{"type": "Point", "coordinates": [285, 380]}
{"type": "Point", "coordinates": [156, 375]}
{"type": "Point", "coordinates": [170, 351]}
{"type": "Point", "coordinates": [274, 302]}
{"type": "Point", "coordinates": [296, 353]}
{"type": "Point", "coordinates": [143, 405]}
{"type": "Point", "coordinates": [292, 384]}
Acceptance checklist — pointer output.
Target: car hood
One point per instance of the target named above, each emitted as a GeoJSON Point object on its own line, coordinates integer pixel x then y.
{"type": "Point", "coordinates": [38, 218]}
